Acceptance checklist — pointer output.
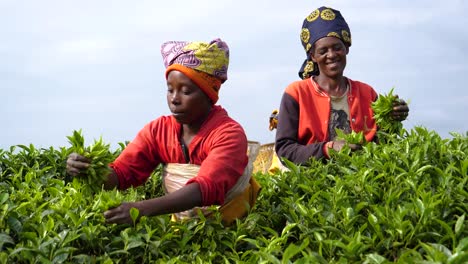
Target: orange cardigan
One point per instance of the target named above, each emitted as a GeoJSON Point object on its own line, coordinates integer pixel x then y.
{"type": "Point", "coordinates": [305, 112]}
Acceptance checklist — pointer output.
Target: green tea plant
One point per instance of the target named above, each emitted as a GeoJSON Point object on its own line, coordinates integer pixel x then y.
{"type": "Point", "coordinates": [382, 108]}
{"type": "Point", "coordinates": [351, 138]}
{"type": "Point", "coordinates": [108, 199]}
{"type": "Point", "coordinates": [404, 201]}
{"type": "Point", "coordinates": [99, 155]}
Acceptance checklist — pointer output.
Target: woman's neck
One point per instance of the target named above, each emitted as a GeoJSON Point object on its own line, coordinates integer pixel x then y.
{"type": "Point", "coordinates": [190, 130]}
{"type": "Point", "coordinates": [332, 86]}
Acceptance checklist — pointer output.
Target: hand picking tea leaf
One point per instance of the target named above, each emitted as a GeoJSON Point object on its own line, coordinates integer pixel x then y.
{"type": "Point", "coordinates": [383, 108]}
{"type": "Point", "coordinates": [99, 155]}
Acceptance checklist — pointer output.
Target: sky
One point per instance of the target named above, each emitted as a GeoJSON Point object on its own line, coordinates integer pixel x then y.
{"type": "Point", "coordinates": [96, 65]}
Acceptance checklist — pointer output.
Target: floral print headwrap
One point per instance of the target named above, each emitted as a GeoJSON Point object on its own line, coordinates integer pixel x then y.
{"type": "Point", "coordinates": [206, 64]}
{"type": "Point", "coordinates": [322, 22]}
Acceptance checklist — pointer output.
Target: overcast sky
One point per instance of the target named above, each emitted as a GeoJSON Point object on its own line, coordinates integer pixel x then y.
{"type": "Point", "coordinates": [96, 65]}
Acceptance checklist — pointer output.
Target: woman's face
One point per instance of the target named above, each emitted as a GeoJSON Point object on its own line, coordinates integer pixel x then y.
{"type": "Point", "coordinates": [188, 103]}
{"type": "Point", "coordinates": [330, 55]}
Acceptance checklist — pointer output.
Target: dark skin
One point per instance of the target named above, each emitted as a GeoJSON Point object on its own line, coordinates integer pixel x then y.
{"type": "Point", "coordinates": [330, 55]}
{"type": "Point", "coordinates": [190, 106]}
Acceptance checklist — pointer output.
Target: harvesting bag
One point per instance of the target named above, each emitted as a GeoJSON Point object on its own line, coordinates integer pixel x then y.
{"type": "Point", "coordinates": [239, 199]}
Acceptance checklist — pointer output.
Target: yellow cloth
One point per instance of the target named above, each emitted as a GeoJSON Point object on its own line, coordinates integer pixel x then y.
{"type": "Point", "coordinates": [238, 207]}
{"type": "Point", "coordinates": [273, 119]}
{"type": "Point", "coordinates": [241, 204]}
{"type": "Point", "coordinates": [275, 164]}
{"type": "Point", "coordinates": [238, 202]}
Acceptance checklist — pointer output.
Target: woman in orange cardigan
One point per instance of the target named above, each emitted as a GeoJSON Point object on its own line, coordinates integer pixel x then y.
{"type": "Point", "coordinates": [324, 100]}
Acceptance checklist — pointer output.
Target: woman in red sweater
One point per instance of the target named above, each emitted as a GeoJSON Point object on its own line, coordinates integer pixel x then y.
{"type": "Point", "coordinates": [325, 100]}
{"type": "Point", "coordinates": [203, 150]}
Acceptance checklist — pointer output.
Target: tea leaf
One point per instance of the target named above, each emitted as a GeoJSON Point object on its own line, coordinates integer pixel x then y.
{"type": "Point", "coordinates": [383, 108]}
{"type": "Point", "coordinates": [459, 224]}
{"type": "Point", "coordinates": [134, 213]}
{"type": "Point", "coordinates": [100, 156]}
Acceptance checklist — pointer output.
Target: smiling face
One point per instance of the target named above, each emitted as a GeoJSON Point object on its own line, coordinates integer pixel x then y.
{"type": "Point", "coordinates": [188, 103]}
{"type": "Point", "coordinates": [330, 55]}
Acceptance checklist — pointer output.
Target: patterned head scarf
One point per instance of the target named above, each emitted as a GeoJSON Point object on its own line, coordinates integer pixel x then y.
{"type": "Point", "coordinates": [322, 22]}
{"type": "Point", "coordinates": [204, 63]}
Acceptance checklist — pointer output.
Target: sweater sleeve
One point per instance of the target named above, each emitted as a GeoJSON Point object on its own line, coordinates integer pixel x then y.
{"type": "Point", "coordinates": [138, 160]}
{"type": "Point", "coordinates": [287, 144]}
{"type": "Point", "coordinates": [224, 164]}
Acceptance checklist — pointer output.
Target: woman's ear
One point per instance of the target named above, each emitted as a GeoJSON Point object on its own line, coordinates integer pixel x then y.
{"type": "Point", "coordinates": [311, 54]}
{"type": "Point", "coordinates": [347, 49]}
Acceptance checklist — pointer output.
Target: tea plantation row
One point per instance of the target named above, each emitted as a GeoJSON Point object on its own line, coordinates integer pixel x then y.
{"type": "Point", "coordinates": [404, 200]}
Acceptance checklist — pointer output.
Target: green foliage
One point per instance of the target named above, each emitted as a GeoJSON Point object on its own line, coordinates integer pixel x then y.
{"type": "Point", "coordinates": [99, 155]}
{"type": "Point", "coordinates": [351, 138]}
{"type": "Point", "coordinates": [382, 108]}
{"type": "Point", "coordinates": [405, 201]}
{"type": "Point", "coordinates": [108, 199]}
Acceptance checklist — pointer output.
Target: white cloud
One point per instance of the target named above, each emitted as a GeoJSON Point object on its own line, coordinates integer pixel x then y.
{"type": "Point", "coordinates": [83, 47]}
{"type": "Point", "coordinates": [98, 62]}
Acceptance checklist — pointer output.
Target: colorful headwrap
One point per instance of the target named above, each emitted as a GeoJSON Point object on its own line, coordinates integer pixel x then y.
{"type": "Point", "coordinates": [204, 63]}
{"type": "Point", "coordinates": [322, 22]}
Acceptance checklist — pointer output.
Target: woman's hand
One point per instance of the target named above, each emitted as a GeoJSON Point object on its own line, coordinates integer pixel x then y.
{"type": "Point", "coordinates": [183, 199]}
{"type": "Point", "coordinates": [121, 214]}
{"type": "Point", "coordinates": [77, 164]}
{"type": "Point", "coordinates": [400, 110]}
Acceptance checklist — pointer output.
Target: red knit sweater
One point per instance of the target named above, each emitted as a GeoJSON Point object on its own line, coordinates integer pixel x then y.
{"type": "Point", "coordinates": [220, 147]}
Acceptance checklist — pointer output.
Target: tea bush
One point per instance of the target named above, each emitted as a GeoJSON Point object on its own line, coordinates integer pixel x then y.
{"type": "Point", "coordinates": [402, 201]}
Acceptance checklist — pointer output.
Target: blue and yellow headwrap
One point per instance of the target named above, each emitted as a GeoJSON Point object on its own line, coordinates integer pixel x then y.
{"type": "Point", "coordinates": [322, 22]}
